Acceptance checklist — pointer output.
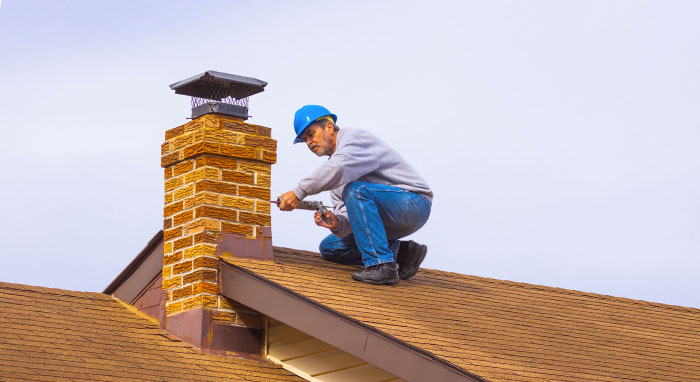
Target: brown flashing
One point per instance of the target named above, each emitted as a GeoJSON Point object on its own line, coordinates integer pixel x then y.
{"type": "Point", "coordinates": [365, 342]}
{"type": "Point", "coordinates": [197, 327]}
{"type": "Point", "coordinates": [135, 264]}
{"type": "Point", "coordinates": [230, 245]}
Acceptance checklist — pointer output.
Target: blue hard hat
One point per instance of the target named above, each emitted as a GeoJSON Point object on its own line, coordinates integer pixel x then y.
{"type": "Point", "coordinates": [306, 116]}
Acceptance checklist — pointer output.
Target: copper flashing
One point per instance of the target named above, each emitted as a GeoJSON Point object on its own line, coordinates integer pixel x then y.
{"type": "Point", "coordinates": [363, 341]}
{"type": "Point", "coordinates": [197, 327]}
{"type": "Point", "coordinates": [234, 245]}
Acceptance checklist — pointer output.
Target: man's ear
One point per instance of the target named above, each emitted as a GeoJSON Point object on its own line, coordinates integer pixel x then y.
{"type": "Point", "coordinates": [329, 125]}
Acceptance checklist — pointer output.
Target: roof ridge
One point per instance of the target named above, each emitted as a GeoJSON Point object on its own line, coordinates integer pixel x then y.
{"type": "Point", "coordinates": [566, 291]}
{"type": "Point", "coordinates": [48, 290]}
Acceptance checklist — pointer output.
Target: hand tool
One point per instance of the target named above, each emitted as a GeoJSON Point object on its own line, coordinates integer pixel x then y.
{"type": "Point", "coordinates": [311, 205]}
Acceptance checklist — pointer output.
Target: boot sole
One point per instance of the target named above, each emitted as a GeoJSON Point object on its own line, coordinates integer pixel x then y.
{"type": "Point", "coordinates": [383, 282]}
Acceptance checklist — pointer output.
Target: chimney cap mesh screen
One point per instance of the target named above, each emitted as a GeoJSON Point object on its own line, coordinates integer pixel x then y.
{"type": "Point", "coordinates": [219, 86]}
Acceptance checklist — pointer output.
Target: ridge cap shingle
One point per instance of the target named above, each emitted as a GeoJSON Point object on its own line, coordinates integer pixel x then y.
{"type": "Point", "coordinates": [566, 291]}
{"type": "Point", "coordinates": [52, 291]}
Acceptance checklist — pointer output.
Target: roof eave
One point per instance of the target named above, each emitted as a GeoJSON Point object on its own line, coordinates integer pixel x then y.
{"type": "Point", "coordinates": [135, 263]}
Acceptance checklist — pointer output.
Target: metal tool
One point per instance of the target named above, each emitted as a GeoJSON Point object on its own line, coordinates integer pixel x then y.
{"type": "Point", "coordinates": [311, 205]}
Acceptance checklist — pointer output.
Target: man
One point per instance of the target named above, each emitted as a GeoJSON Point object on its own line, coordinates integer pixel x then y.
{"type": "Point", "coordinates": [377, 198]}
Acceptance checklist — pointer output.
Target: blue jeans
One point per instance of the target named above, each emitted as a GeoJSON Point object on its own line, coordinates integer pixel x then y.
{"type": "Point", "coordinates": [379, 215]}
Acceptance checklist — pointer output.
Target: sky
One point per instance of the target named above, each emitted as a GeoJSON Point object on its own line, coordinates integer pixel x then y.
{"type": "Point", "coordinates": [559, 137]}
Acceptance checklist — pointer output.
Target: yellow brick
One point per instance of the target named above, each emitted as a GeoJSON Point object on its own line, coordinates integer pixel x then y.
{"type": "Point", "coordinates": [193, 125]}
{"type": "Point", "coordinates": [262, 207]}
{"type": "Point", "coordinates": [170, 234]}
{"type": "Point", "coordinates": [262, 180]}
{"type": "Point", "coordinates": [183, 167]}
{"type": "Point", "coordinates": [173, 183]}
{"type": "Point", "coordinates": [200, 250]}
{"type": "Point", "coordinates": [192, 303]}
{"type": "Point", "coordinates": [243, 229]}
{"type": "Point", "coordinates": [173, 308]}
{"type": "Point", "coordinates": [210, 173]}
{"type": "Point", "coordinates": [183, 243]}
{"type": "Point", "coordinates": [181, 268]}
{"type": "Point", "coordinates": [168, 198]}
{"type": "Point", "coordinates": [202, 198]}
{"type": "Point", "coordinates": [236, 202]}
{"type": "Point", "coordinates": [200, 225]}
{"type": "Point", "coordinates": [183, 292]}
{"type": "Point", "coordinates": [229, 317]}
{"type": "Point", "coordinates": [172, 209]}
{"type": "Point", "coordinates": [184, 192]}
{"type": "Point", "coordinates": [167, 271]}
{"type": "Point", "coordinates": [223, 136]}
{"type": "Point", "coordinates": [172, 282]}
{"type": "Point", "coordinates": [210, 301]}
{"type": "Point", "coordinates": [253, 166]}
{"type": "Point", "coordinates": [205, 262]}
{"type": "Point", "coordinates": [183, 217]}
{"type": "Point", "coordinates": [172, 259]}
{"type": "Point", "coordinates": [168, 247]}
{"type": "Point", "coordinates": [211, 122]}
{"type": "Point", "coordinates": [205, 287]}
{"type": "Point", "coordinates": [259, 142]}
{"type": "Point", "coordinates": [182, 141]}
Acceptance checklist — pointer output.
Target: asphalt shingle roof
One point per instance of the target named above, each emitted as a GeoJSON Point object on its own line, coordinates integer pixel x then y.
{"type": "Point", "coordinates": [56, 335]}
{"type": "Point", "coordinates": [502, 330]}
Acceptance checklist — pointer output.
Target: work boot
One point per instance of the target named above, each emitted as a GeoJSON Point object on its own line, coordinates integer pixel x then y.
{"type": "Point", "coordinates": [380, 274]}
{"type": "Point", "coordinates": [410, 255]}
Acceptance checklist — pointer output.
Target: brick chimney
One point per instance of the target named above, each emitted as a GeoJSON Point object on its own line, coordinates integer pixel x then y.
{"type": "Point", "coordinates": [217, 182]}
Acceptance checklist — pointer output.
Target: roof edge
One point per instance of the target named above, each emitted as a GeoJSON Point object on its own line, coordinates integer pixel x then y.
{"type": "Point", "coordinates": [399, 358]}
{"type": "Point", "coordinates": [134, 264]}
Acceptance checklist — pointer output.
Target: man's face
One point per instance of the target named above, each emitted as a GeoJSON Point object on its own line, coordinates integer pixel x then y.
{"type": "Point", "coordinates": [320, 140]}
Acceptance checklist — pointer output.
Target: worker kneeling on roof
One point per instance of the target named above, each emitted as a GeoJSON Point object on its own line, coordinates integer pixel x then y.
{"type": "Point", "coordinates": [377, 198]}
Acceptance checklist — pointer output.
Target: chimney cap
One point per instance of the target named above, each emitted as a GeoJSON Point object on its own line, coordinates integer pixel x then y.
{"type": "Point", "coordinates": [215, 85]}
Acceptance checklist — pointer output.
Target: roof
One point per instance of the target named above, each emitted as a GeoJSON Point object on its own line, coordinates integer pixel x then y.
{"type": "Point", "coordinates": [55, 334]}
{"type": "Point", "coordinates": [501, 330]}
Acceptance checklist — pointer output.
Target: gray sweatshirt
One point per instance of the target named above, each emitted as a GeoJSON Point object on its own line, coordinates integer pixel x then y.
{"type": "Point", "coordinates": [359, 156]}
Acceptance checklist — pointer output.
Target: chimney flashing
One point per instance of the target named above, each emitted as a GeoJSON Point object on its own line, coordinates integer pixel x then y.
{"type": "Point", "coordinates": [232, 245]}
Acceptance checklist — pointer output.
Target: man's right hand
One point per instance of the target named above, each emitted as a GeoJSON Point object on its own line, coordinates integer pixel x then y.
{"type": "Point", "coordinates": [330, 215]}
{"type": "Point", "coordinates": [288, 201]}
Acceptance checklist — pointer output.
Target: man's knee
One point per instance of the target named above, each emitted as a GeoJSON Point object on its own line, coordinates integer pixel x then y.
{"type": "Point", "coordinates": [326, 247]}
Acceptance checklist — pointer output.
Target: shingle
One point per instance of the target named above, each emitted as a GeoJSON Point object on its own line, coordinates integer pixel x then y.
{"type": "Point", "coordinates": [503, 330]}
{"type": "Point", "coordinates": [54, 334]}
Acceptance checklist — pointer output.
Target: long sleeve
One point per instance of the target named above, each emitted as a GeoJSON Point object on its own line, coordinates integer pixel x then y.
{"type": "Point", "coordinates": [353, 158]}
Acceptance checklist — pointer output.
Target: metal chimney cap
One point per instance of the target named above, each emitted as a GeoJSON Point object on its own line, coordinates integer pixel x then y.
{"type": "Point", "coordinates": [217, 85]}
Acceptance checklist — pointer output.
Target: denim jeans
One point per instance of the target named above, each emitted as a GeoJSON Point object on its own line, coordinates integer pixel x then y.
{"type": "Point", "coordinates": [379, 215]}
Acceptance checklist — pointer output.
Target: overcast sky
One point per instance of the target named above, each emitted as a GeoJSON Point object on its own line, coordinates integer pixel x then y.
{"type": "Point", "coordinates": [560, 137]}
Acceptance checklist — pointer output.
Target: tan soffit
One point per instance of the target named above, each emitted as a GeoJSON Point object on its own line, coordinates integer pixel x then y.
{"type": "Point", "coordinates": [316, 360]}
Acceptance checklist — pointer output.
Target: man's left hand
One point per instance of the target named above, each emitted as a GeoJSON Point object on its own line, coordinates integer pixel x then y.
{"type": "Point", "coordinates": [288, 201]}
{"type": "Point", "coordinates": [330, 216]}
